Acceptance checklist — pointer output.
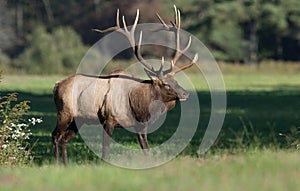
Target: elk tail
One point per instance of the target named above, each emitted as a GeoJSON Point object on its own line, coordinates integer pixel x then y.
{"type": "Point", "coordinates": [55, 90]}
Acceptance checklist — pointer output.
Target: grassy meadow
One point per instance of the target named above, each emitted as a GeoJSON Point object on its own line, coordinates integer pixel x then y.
{"type": "Point", "coordinates": [256, 170]}
{"type": "Point", "coordinates": [251, 153]}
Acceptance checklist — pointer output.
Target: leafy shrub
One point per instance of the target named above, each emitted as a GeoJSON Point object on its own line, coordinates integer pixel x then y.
{"type": "Point", "coordinates": [14, 131]}
{"type": "Point", "coordinates": [51, 53]}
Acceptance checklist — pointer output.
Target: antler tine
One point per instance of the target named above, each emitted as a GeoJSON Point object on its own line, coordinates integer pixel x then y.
{"type": "Point", "coordinates": [176, 29]}
{"type": "Point", "coordinates": [178, 52]}
{"type": "Point", "coordinates": [138, 55]}
{"type": "Point", "coordinates": [162, 21]}
{"type": "Point", "coordinates": [170, 69]}
{"type": "Point", "coordinates": [195, 59]}
{"type": "Point", "coordinates": [179, 19]}
{"type": "Point", "coordinates": [128, 34]}
{"type": "Point", "coordinates": [176, 25]}
{"type": "Point", "coordinates": [130, 37]}
{"type": "Point", "coordinates": [160, 71]}
{"type": "Point", "coordinates": [132, 31]}
{"type": "Point", "coordinates": [124, 24]}
{"type": "Point", "coordinates": [118, 18]}
{"type": "Point", "coordinates": [136, 20]}
{"type": "Point", "coordinates": [175, 15]}
{"type": "Point", "coordinates": [110, 29]}
{"type": "Point", "coordinates": [134, 24]}
{"type": "Point", "coordinates": [188, 45]}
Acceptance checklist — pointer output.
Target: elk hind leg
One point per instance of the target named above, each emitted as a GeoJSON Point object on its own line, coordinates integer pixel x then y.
{"type": "Point", "coordinates": [58, 134]}
{"type": "Point", "coordinates": [71, 132]}
{"type": "Point", "coordinates": [55, 143]}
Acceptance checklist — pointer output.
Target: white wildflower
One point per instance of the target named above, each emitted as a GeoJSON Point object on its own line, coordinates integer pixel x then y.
{"type": "Point", "coordinates": [39, 120]}
{"type": "Point", "coordinates": [14, 136]}
{"type": "Point", "coordinates": [34, 121]}
{"type": "Point", "coordinates": [9, 128]}
{"type": "Point", "coordinates": [22, 125]}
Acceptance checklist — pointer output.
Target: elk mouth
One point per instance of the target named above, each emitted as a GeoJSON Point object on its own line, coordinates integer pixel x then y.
{"type": "Point", "coordinates": [183, 96]}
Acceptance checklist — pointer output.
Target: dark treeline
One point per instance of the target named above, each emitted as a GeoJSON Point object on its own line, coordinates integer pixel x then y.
{"type": "Point", "coordinates": [245, 31]}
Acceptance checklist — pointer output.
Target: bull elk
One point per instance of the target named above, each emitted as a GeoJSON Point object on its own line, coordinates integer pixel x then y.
{"type": "Point", "coordinates": [134, 106]}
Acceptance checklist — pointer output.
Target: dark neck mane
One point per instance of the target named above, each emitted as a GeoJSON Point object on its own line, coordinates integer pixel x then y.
{"type": "Point", "coordinates": [145, 97]}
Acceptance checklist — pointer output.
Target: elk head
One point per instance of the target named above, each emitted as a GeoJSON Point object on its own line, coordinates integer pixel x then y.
{"type": "Point", "coordinates": [163, 80]}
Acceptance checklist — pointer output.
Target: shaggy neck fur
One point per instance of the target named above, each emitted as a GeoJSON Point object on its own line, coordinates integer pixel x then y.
{"type": "Point", "coordinates": [147, 103]}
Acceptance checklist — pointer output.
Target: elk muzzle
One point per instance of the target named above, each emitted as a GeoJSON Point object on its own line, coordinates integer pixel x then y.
{"type": "Point", "coordinates": [183, 95]}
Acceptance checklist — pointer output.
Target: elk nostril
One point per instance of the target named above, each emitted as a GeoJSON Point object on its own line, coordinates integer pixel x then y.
{"type": "Point", "coordinates": [185, 94]}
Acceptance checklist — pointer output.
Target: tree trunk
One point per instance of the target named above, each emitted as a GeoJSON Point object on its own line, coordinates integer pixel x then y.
{"type": "Point", "coordinates": [19, 20]}
{"type": "Point", "coordinates": [253, 44]}
{"type": "Point", "coordinates": [49, 12]}
{"type": "Point", "coordinates": [278, 54]}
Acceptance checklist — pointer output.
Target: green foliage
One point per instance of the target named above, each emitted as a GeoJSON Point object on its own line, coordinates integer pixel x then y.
{"type": "Point", "coordinates": [14, 131]}
{"type": "Point", "coordinates": [234, 30]}
{"type": "Point", "coordinates": [244, 30]}
{"type": "Point", "coordinates": [56, 52]}
{"type": "Point", "coordinates": [4, 61]}
{"type": "Point", "coordinates": [218, 26]}
{"type": "Point", "coordinates": [227, 41]}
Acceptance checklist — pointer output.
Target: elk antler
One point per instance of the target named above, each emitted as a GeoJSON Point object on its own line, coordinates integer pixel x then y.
{"type": "Point", "coordinates": [130, 37]}
{"type": "Point", "coordinates": [128, 34]}
{"type": "Point", "coordinates": [185, 66]}
{"type": "Point", "coordinates": [176, 29]}
{"type": "Point", "coordinates": [137, 48]}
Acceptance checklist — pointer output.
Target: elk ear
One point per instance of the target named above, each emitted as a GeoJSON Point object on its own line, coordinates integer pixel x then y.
{"type": "Point", "coordinates": [151, 76]}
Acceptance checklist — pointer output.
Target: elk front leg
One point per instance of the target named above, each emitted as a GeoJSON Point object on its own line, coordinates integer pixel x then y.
{"type": "Point", "coordinates": [142, 137]}
{"type": "Point", "coordinates": [107, 134]}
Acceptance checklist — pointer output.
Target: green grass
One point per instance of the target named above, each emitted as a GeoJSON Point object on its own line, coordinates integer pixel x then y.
{"type": "Point", "coordinates": [33, 84]}
{"type": "Point", "coordinates": [261, 104]}
{"type": "Point", "coordinates": [254, 170]}
{"type": "Point", "coordinates": [249, 153]}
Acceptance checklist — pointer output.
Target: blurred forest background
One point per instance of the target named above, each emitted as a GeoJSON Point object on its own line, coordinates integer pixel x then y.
{"type": "Point", "coordinates": [51, 36]}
